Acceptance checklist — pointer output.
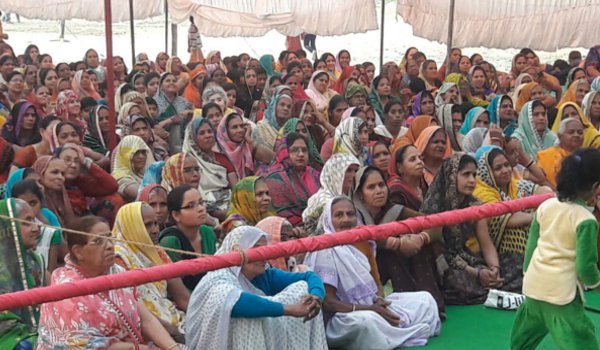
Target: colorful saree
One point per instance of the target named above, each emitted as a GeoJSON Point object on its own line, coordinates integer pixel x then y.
{"type": "Point", "coordinates": [20, 269]}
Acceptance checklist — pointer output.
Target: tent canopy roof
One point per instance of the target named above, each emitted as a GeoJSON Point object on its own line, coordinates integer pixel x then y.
{"type": "Point", "coordinates": [222, 18]}
{"type": "Point", "coordinates": [538, 24]}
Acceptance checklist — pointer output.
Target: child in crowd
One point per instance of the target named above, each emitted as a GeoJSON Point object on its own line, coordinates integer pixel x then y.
{"type": "Point", "coordinates": [561, 257]}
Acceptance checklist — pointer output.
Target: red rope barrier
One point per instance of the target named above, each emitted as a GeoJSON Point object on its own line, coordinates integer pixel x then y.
{"type": "Point", "coordinates": [309, 244]}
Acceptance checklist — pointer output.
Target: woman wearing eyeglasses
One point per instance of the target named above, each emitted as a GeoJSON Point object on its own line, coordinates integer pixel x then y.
{"type": "Point", "coordinates": [188, 232]}
{"type": "Point", "coordinates": [105, 320]}
{"type": "Point", "coordinates": [180, 169]}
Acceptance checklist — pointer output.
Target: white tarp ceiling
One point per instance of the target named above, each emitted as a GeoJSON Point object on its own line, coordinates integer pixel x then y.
{"type": "Point", "coordinates": [91, 10]}
{"type": "Point", "coordinates": [537, 24]}
{"type": "Point", "coordinates": [222, 18]}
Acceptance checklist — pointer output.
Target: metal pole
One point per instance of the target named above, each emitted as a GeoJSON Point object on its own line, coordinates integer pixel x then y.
{"type": "Point", "coordinates": [132, 32]}
{"type": "Point", "coordinates": [110, 74]}
{"type": "Point", "coordinates": [450, 34]}
{"type": "Point", "coordinates": [166, 27]}
{"type": "Point", "coordinates": [173, 39]}
{"type": "Point", "coordinates": [382, 32]}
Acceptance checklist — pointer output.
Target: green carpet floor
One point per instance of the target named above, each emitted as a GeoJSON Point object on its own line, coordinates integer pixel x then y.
{"type": "Point", "coordinates": [478, 327]}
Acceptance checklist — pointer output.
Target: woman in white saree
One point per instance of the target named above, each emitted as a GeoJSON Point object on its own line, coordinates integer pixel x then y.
{"type": "Point", "coordinates": [249, 307]}
{"type": "Point", "coordinates": [358, 316]}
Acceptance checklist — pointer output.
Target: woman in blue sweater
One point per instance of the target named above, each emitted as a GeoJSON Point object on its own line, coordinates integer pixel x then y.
{"type": "Point", "coordinates": [255, 307]}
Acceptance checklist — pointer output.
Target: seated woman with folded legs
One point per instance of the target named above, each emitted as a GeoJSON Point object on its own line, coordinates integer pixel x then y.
{"type": "Point", "coordinates": [358, 316]}
{"type": "Point", "coordinates": [246, 307]}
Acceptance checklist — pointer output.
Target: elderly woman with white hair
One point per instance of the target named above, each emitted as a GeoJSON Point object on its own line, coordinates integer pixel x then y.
{"type": "Point", "coordinates": [216, 94]}
{"type": "Point", "coordinates": [570, 138]}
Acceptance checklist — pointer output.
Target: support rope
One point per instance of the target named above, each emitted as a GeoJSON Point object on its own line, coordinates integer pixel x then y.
{"type": "Point", "coordinates": [309, 244]}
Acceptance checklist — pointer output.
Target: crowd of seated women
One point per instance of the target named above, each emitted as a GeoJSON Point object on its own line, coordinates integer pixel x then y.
{"type": "Point", "coordinates": [221, 155]}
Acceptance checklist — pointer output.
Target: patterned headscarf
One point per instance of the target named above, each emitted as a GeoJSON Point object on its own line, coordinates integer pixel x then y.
{"type": "Point", "coordinates": [172, 171]}
{"type": "Point", "coordinates": [62, 104]}
{"type": "Point", "coordinates": [332, 180]}
{"type": "Point", "coordinates": [443, 192]}
{"type": "Point", "coordinates": [243, 204]}
{"type": "Point", "coordinates": [485, 175]}
{"type": "Point", "coordinates": [345, 139]}
{"type": "Point", "coordinates": [271, 112]}
{"type": "Point", "coordinates": [444, 116]}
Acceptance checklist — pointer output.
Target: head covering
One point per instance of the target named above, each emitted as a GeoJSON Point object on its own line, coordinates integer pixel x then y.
{"type": "Point", "coordinates": [571, 94]}
{"type": "Point", "coordinates": [291, 188]}
{"type": "Point", "coordinates": [414, 130]}
{"type": "Point", "coordinates": [57, 201]}
{"type": "Point", "coordinates": [94, 139]}
{"type": "Point", "coordinates": [416, 105]}
{"type": "Point", "coordinates": [487, 190]}
{"type": "Point", "coordinates": [471, 119]}
{"type": "Point", "coordinates": [289, 127]}
{"type": "Point", "coordinates": [355, 89]}
{"type": "Point", "coordinates": [129, 226]}
{"type": "Point", "coordinates": [444, 116]}
{"type": "Point", "coordinates": [593, 58]}
{"type": "Point", "coordinates": [62, 104]}
{"type": "Point", "coordinates": [272, 227]}
{"type": "Point", "coordinates": [266, 61]}
{"type": "Point", "coordinates": [320, 100]}
{"type": "Point", "coordinates": [474, 139]}
{"type": "Point", "coordinates": [243, 204]}
{"type": "Point", "coordinates": [530, 138]}
{"type": "Point", "coordinates": [595, 85]}
{"type": "Point", "coordinates": [340, 84]}
{"type": "Point", "coordinates": [346, 140]}
{"type": "Point", "coordinates": [191, 92]}
{"type": "Point", "coordinates": [214, 174]}
{"type": "Point", "coordinates": [239, 153]}
{"type": "Point", "coordinates": [12, 128]}
{"type": "Point", "coordinates": [332, 180]}
{"type": "Point", "coordinates": [586, 104]}
{"type": "Point", "coordinates": [352, 278]}
{"type": "Point", "coordinates": [122, 163]}
{"type": "Point", "coordinates": [443, 193]}
{"type": "Point", "coordinates": [422, 143]}
{"type": "Point", "coordinates": [157, 67]}
{"type": "Point", "coordinates": [125, 111]}
{"type": "Point", "coordinates": [589, 132]}
{"type": "Point", "coordinates": [76, 86]}
{"type": "Point", "coordinates": [493, 108]}
{"type": "Point", "coordinates": [525, 95]}
{"type": "Point", "coordinates": [439, 99]}
{"type": "Point", "coordinates": [271, 112]}
{"type": "Point", "coordinates": [17, 274]}
{"type": "Point", "coordinates": [216, 294]}
{"type": "Point", "coordinates": [144, 195]}
{"type": "Point", "coordinates": [172, 171]}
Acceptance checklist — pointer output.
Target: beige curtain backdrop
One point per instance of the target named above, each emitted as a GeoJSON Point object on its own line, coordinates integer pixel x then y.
{"type": "Point", "coordinates": [538, 24]}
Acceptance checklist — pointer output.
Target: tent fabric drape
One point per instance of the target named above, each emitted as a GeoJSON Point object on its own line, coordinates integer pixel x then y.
{"type": "Point", "coordinates": [91, 10]}
{"type": "Point", "coordinates": [537, 24]}
{"type": "Point", "coordinates": [223, 18]}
